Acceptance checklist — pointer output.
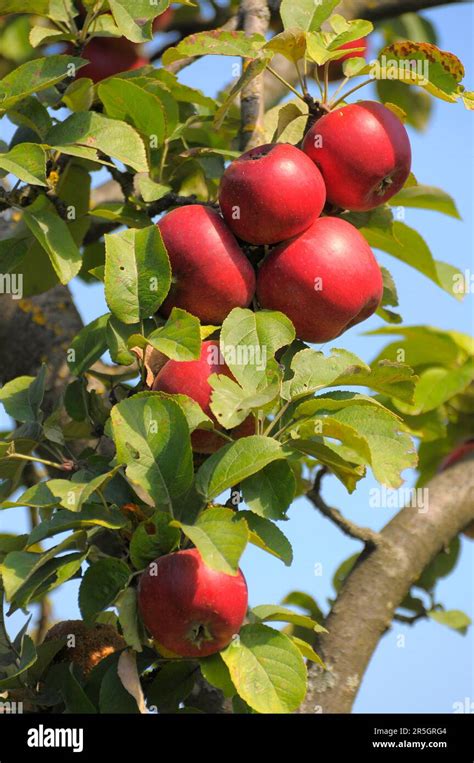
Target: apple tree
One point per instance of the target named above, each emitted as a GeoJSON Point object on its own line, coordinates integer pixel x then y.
{"type": "Point", "coordinates": [230, 234]}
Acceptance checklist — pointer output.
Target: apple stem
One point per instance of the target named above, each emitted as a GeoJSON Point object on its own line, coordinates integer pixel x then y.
{"type": "Point", "coordinates": [301, 80]}
{"type": "Point", "coordinates": [326, 82]}
{"type": "Point", "coordinates": [284, 82]}
{"type": "Point", "coordinates": [277, 417]}
{"type": "Point", "coordinates": [333, 104]}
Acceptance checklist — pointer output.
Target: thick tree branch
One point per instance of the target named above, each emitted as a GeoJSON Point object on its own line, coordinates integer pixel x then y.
{"type": "Point", "coordinates": [254, 18]}
{"type": "Point", "coordinates": [378, 584]}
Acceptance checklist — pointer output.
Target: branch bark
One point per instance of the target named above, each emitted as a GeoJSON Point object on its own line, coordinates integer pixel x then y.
{"type": "Point", "coordinates": [378, 584]}
{"type": "Point", "coordinates": [254, 19]}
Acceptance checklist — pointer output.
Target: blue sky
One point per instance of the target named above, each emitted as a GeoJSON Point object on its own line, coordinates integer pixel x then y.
{"type": "Point", "coordinates": [434, 668]}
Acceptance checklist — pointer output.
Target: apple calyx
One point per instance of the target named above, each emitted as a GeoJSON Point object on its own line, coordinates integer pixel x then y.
{"type": "Point", "coordinates": [199, 634]}
{"type": "Point", "coordinates": [382, 188]}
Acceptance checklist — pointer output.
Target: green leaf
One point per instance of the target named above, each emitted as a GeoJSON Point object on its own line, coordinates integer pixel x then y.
{"type": "Point", "coordinates": [269, 493]}
{"type": "Point", "coordinates": [36, 75]}
{"type": "Point", "coordinates": [117, 335]}
{"type": "Point", "coordinates": [453, 618]}
{"type": "Point", "coordinates": [306, 14]}
{"type": "Point", "coordinates": [441, 566]}
{"type": "Point", "coordinates": [421, 346]}
{"type": "Point", "coordinates": [101, 585]}
{"type": "Point", "coordinates": [137, 273]}
{"type": "Point", "coordinates": [12, 255]}
{"type": "Point", "coordinates": [25, 572]}
{"type": "Point", "coordinates": [438, 385]}
{"type": "Point", "coordinates": [152, 438]}
{"type": "Point", "coordinates": [69, 494]}
{"type": "Point", "coordinates": [125, 100]}
{"type": "Point", "coordinates": [91, 515]}
{"type": "Point", "coordinates": [313, 371]}
{"type": "Point", "coordinates": [267, 669]}
{"type": "Point", "coordinates": [54, 235]}
{"type": "Point", "coordinates": [216, 672]}
{"type": "Point", "coordinates": [171, 686]}
{"type": "Point", "coordinates": [407, 245]}
{"type": "Point", "coordinates": [291, 44]}
{"type": "Point", "coordinates": [376, 436]}
{"type": "Point", "coordinates": [220, 536]}
{"type": "Point", "coordinates": [27, 161]}
{"type": "Point", "coordinates": [344, 469]}
{"type": "Point", "coordinates": [179, 338]}
{"type": "Point", "coordinates": [267, 536]}
{"type": "Point", "coordinates": [127, 605]}
{"type": "Point", "coordinates": [22, 397]}
{"type": "Point", "coordinates": [235, 462]}
{"type": "Point", "coordinates": [62, 678]}
{"type": "Point", "coordinates": [249, 340]}
{"type": "Point", "coordinates": [89, 344]}
{"type": "Point", "coordinates": [426, 197]}
{"type": "Point", "coordinates": [215, 43]}
{"type": "Point", "coordinates": [415, 103]}
{"type": "Point", "coordinates": [114, 697]}
{"type": "Point", "coordinates": [27, 659]}
{"type": "Point", "coordinates": [152, 538]}
{"type": "Point", "coordinates": [112, 137]}
{"type": "Point", "coordinates": [231, 404]}
{"type": "Point", "coordinates": [279, 614]}
{"type": "Point", "coordinates": [307, 651]}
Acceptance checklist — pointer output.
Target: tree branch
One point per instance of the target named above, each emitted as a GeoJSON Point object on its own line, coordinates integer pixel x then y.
{"type": "Point", "coordinates": [365, 534]}
{"type": "Point", "coordinates": [254, 18]}
{"type": "Point", "coordinates": [379, 582]}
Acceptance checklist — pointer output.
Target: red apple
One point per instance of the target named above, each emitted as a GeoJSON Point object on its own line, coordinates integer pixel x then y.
{"type": "Point", "coordinates": [108, 56]}
{"type": "Point", "coordinates": [335, 67]}
{"type": "Point", "coordinates": [187, 607]}
{"type": "Point", "coordinates": [190, 377]}
{"type": "Point", "coordinates": [457, 454]}
{"type": "Point", "coordinates": [325, 280]}
{"type": "Point", "coordinates": [211, 275]}
{"type": "Point", "coordinates": [162, 22]}
{"type": "Point", "coordinates": [271, 193]}
{"type": "Point", "coordinates": [460, 452]}
{"type": "Point", "coordinates": [363, 153]}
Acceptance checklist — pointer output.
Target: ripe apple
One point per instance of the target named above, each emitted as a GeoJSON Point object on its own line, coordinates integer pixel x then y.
{"type": "Point", "coordinates": [460, 452]}
{"type": "Point", "coordinates": [211, 274]}
{"type": "Point", "coordinates": [335, 67]}
{"type": "Point", "coordinates": [108, 56]}
{"type": "Point", "coordinates": [190, 377]}
{"type": "Point", "coordinates": [363, 152]}
{"type": "Point", "coordinates": [187, 607]}
{"type": "Point", "coordinates": [162, 22]}
{"type": "Point", "coordinates": [271, 193]}
{"type": "Point", "coordinates": [325, 280]}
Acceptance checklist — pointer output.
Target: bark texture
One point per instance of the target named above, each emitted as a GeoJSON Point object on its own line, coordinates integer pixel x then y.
{"type": "Point", "coordinates": [379, 582]}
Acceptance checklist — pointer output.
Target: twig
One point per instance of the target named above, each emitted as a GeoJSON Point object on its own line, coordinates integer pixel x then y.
{"type": "Point", "coordinates": [371, 538]}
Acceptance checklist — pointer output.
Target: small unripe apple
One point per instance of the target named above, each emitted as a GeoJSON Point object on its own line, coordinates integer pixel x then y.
{"type": "Point", "coordinates": [271, 193]}
{"type": "Point", "coordinates": [363, 152]}
{"type": "Point", "coordinates": [325, 280]}
{"type": "Point", "coordinates": [189, 608]}
{"type": "Point", "coordinates": [211, 274]}
{"type": "Point", "coordinates": [190, 377]}
{"type": "Point", "coordinates": [108, 56]}
{"type": "Point", "coordinates": [460, 452]}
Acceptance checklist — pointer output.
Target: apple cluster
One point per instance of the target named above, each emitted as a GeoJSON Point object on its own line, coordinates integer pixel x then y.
{"type": "Point", "coordinates": [317, 268]}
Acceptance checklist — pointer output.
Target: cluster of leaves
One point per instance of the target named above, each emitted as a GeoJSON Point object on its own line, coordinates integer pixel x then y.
{"type": "Point", "coordinates": [124, 506]}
